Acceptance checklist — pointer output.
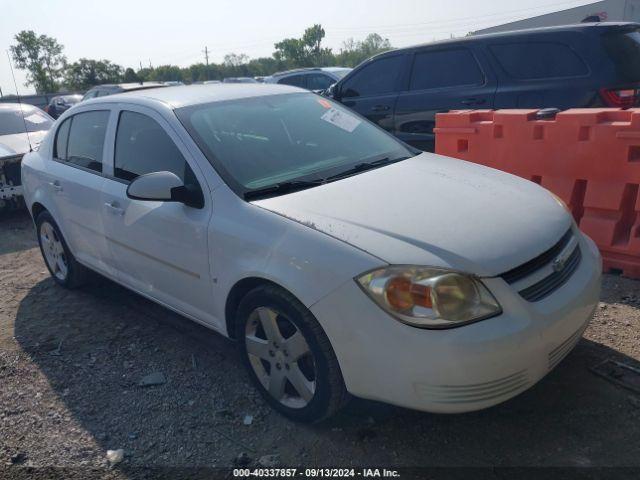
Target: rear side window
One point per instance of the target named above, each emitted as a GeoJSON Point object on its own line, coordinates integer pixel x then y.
{"type": "Point", "coordinates": [445, 68]}
{"type": "Point", "coordinates": [86, 139]}
{"type": "Point", "coordinates": [378, 77]}
{"type": "Point", "coordinates": [294, 80]}
{"type": "Point", "coordinates": [142, 146]}
{"type": "Point", "coordinates": [535, 60]}
{"type": "Point", "coordinates": [623, 48]}
{"type": "Point", "coordinates": [62, 136]}
{"type": "Point", "coordinates": [318, 81]}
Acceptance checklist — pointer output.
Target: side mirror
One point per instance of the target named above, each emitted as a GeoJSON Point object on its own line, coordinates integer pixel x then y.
{"type": "Point", "coordinates": [332, 91]}
{"type": "Point", "coordinates": [164, 187]}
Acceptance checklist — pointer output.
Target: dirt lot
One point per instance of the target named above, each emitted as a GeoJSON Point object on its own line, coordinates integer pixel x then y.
{"type": "Point", "coordinates": [71, 362]}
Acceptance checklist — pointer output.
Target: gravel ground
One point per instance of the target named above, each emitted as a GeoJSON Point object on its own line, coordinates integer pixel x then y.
{"type": "Point", "coordinates": [71, 363]}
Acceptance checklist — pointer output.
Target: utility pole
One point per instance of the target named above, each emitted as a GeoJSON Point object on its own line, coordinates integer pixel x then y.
{"type": "Point", "coordinates": [150, 64]}
{"type": "Point", "coordinates": [206, 58]}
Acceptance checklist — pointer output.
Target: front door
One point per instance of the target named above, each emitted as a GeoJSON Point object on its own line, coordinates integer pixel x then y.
{"type": "Point", "coordinates": [372, 90]}
{"type": "Point", "coordinates": [160, 247]}
{"type": "Point", "coordinates": [441, 79]}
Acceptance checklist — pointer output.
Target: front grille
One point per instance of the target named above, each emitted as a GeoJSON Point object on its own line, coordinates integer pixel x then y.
{"type": "Point", "coordinates": [547, 285]}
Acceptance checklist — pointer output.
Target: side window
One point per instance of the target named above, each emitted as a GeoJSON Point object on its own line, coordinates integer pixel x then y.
{"type": "Point", "coordinates": [378, 77]}
{"type": "Point", "coordinates": [538, 60]}
{"type": "Point", "coordinates": [318, 81]}
{"type": "Point", "coordinates": [294, 80]}
{"type": "Point", "coordinates": [142, 146]}
{"type": "Point", "coordinates": [445, 68]}
{"type": "Point", "coordinates": [62, 137]}
{"type": "Point", "coordinates": [86, 139]}
{"type": "Point", "coordinates": [90, 94]}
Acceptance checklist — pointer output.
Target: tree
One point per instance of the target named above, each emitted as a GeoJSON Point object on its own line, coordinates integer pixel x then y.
{"type": "Point", "coordinates": [235, 60]}
{"type": "Point", "coordinates": [86, 73]}
{"type": "Point", "coordinates": [42, 57]}
{"type": "Point", "coordinates": [306, 51]}
{"type": "Point", "coordinates": [354, 52]}
{"type": "Point", "coordinates": [130, 76]}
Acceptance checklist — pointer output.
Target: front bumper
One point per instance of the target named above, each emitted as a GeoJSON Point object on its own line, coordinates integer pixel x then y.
{"type": "Point", "coordinates": [465, 368]}
{"type": "Point", "coordinates": [10, 180]}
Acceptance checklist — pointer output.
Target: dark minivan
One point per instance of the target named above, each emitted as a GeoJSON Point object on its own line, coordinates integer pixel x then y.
{"type": "Point", "coordinates": [585, 65]}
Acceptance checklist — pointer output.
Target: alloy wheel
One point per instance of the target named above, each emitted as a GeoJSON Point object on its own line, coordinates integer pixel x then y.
{"type": "Point", "coordinates": [53, 251]}
{"type": "Point", "coordinates": [280, 357]}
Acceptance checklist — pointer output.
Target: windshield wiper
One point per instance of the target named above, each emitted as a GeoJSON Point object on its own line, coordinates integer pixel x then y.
{"type": "Point", "coordinates": [364, 166]}
{"type": "Point", "coordinates": [281, 188]}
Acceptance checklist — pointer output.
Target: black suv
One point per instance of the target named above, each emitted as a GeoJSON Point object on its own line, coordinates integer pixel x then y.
{"type": "Point", "coordinates": [585, 65]}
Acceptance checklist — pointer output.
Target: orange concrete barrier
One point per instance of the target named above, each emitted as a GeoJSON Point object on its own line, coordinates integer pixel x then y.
{"type": "Point", "coordinates": [588, 157]}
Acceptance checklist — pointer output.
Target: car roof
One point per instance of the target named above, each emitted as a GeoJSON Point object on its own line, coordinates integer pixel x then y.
{"type": "Point", "coordinates": [185, 95]}
{"type": "Point", "coordinates": [595, 27]}
{"type": "Point", "coordinates": [309, 69]}
{"type": "Point", "coordinates": [17, 106]}
{"type": "Point", "coordinates": [129, 86]}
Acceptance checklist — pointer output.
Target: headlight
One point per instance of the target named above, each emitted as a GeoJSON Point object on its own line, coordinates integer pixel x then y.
{"type": "Point", "coordinates": [429, 297]}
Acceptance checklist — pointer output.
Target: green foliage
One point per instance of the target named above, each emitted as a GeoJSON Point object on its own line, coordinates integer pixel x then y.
{"type": "Point", "coordinates": [85, 73]}
{"type": "Point", "coordinates": [306, 51]}
{"type": "Point", "coordinates": [42, 58]}
{"type": "Point", "coordinates": [130, 76]}
{"type": "Point", "coordinates": [47, 69]}
{"type": "Point", "coordinates": [352, 52]}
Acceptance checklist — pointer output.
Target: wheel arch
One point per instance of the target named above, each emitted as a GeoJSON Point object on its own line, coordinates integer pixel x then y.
{"type": "Point", "coordinates": [237, 293]}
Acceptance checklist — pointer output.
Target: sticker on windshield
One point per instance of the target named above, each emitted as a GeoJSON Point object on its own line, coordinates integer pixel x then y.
{"type": "Point", "coordinates": [341, 119]}
{"type": "Point", "coordinates": [35, 118]}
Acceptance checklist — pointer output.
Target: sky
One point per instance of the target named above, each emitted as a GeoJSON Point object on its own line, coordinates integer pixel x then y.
{"type": "Point", "coordinates": [131, 32]}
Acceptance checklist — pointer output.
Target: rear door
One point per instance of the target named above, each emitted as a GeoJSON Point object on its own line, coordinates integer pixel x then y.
{"type": "Point", "coordinates": [372, 89]}
{"type": "Point", "coordinates": [75, 182]}
{"type": "Point", "coordinates": [441, 79]}
{"type": "Point", "coordinates": [160, 248]}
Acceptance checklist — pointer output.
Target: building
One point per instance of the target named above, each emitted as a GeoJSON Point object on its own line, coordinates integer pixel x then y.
{"type": "Point", "coordinates": [603, 11]}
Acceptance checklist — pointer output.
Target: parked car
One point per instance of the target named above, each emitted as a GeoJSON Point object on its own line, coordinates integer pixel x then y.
{"type": "Point", "coordinates": [341, 260]}
{"type": "Point", "coordinates": [586, 65]}
{"type": "Point", "coordinates": [239, 80]}
{"type": "Point", "coordinates": [61, 104]}
{"type": "Point", "coordinates": [173, 83]}
{"type": "Point", "coordinates": [316, 79]}
{"type": "Point", "coordinates": [22, 126]}
{"type": "Point", "coordinates": [210, 82]}
{"type": "Point", "coordinates": [104, 90]}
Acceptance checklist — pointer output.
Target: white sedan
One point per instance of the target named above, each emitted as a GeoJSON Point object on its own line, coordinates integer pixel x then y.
{"type": "Point", "coordinates": [341, 260]}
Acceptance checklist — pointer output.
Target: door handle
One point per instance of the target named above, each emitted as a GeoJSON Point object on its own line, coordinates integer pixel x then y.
{"type": "Point", "coordinates": [380, 108]}
{"type": "Point", "coordinates": [114, 208]}
{"type": "Point", "coordinates": [56, 186]}
{"type": "Point", "coordinates": [473, 101]}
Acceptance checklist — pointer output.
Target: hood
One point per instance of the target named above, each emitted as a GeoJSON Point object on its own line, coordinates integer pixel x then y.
{"type": "Point", "coordinates": [18, 143]}
{"type": "Point", "coordinates": [435, 211]}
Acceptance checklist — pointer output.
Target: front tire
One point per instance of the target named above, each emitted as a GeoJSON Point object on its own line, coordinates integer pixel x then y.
{"type": "Point", "coordinates": [288, 355]}
{"type": "Point", "coordinates": [60, 262]}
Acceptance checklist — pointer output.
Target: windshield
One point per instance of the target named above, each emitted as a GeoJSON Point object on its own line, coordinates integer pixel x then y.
{"type": "Point", "coordinates": [260, 142]}
{"type": "Point", "coordinates": [11, 121]}
{"type": "Point", "coordinates": [623, 47]}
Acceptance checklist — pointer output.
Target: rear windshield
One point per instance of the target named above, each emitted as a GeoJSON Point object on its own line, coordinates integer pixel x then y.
{"type": "Point", "coordinates": [11, 121]}
{"type": "Point", "coordinates": [623, 48]}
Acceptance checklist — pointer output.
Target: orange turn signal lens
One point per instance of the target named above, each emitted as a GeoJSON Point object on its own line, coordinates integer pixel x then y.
{"type": "Point", "coordinates": [402, 294]}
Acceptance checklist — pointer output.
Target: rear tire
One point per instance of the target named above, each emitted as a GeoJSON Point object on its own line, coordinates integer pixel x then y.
{"type": "Point", "coordinates": [288, 356]}
{"type": "Point", "coordinates": [62, 265]}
